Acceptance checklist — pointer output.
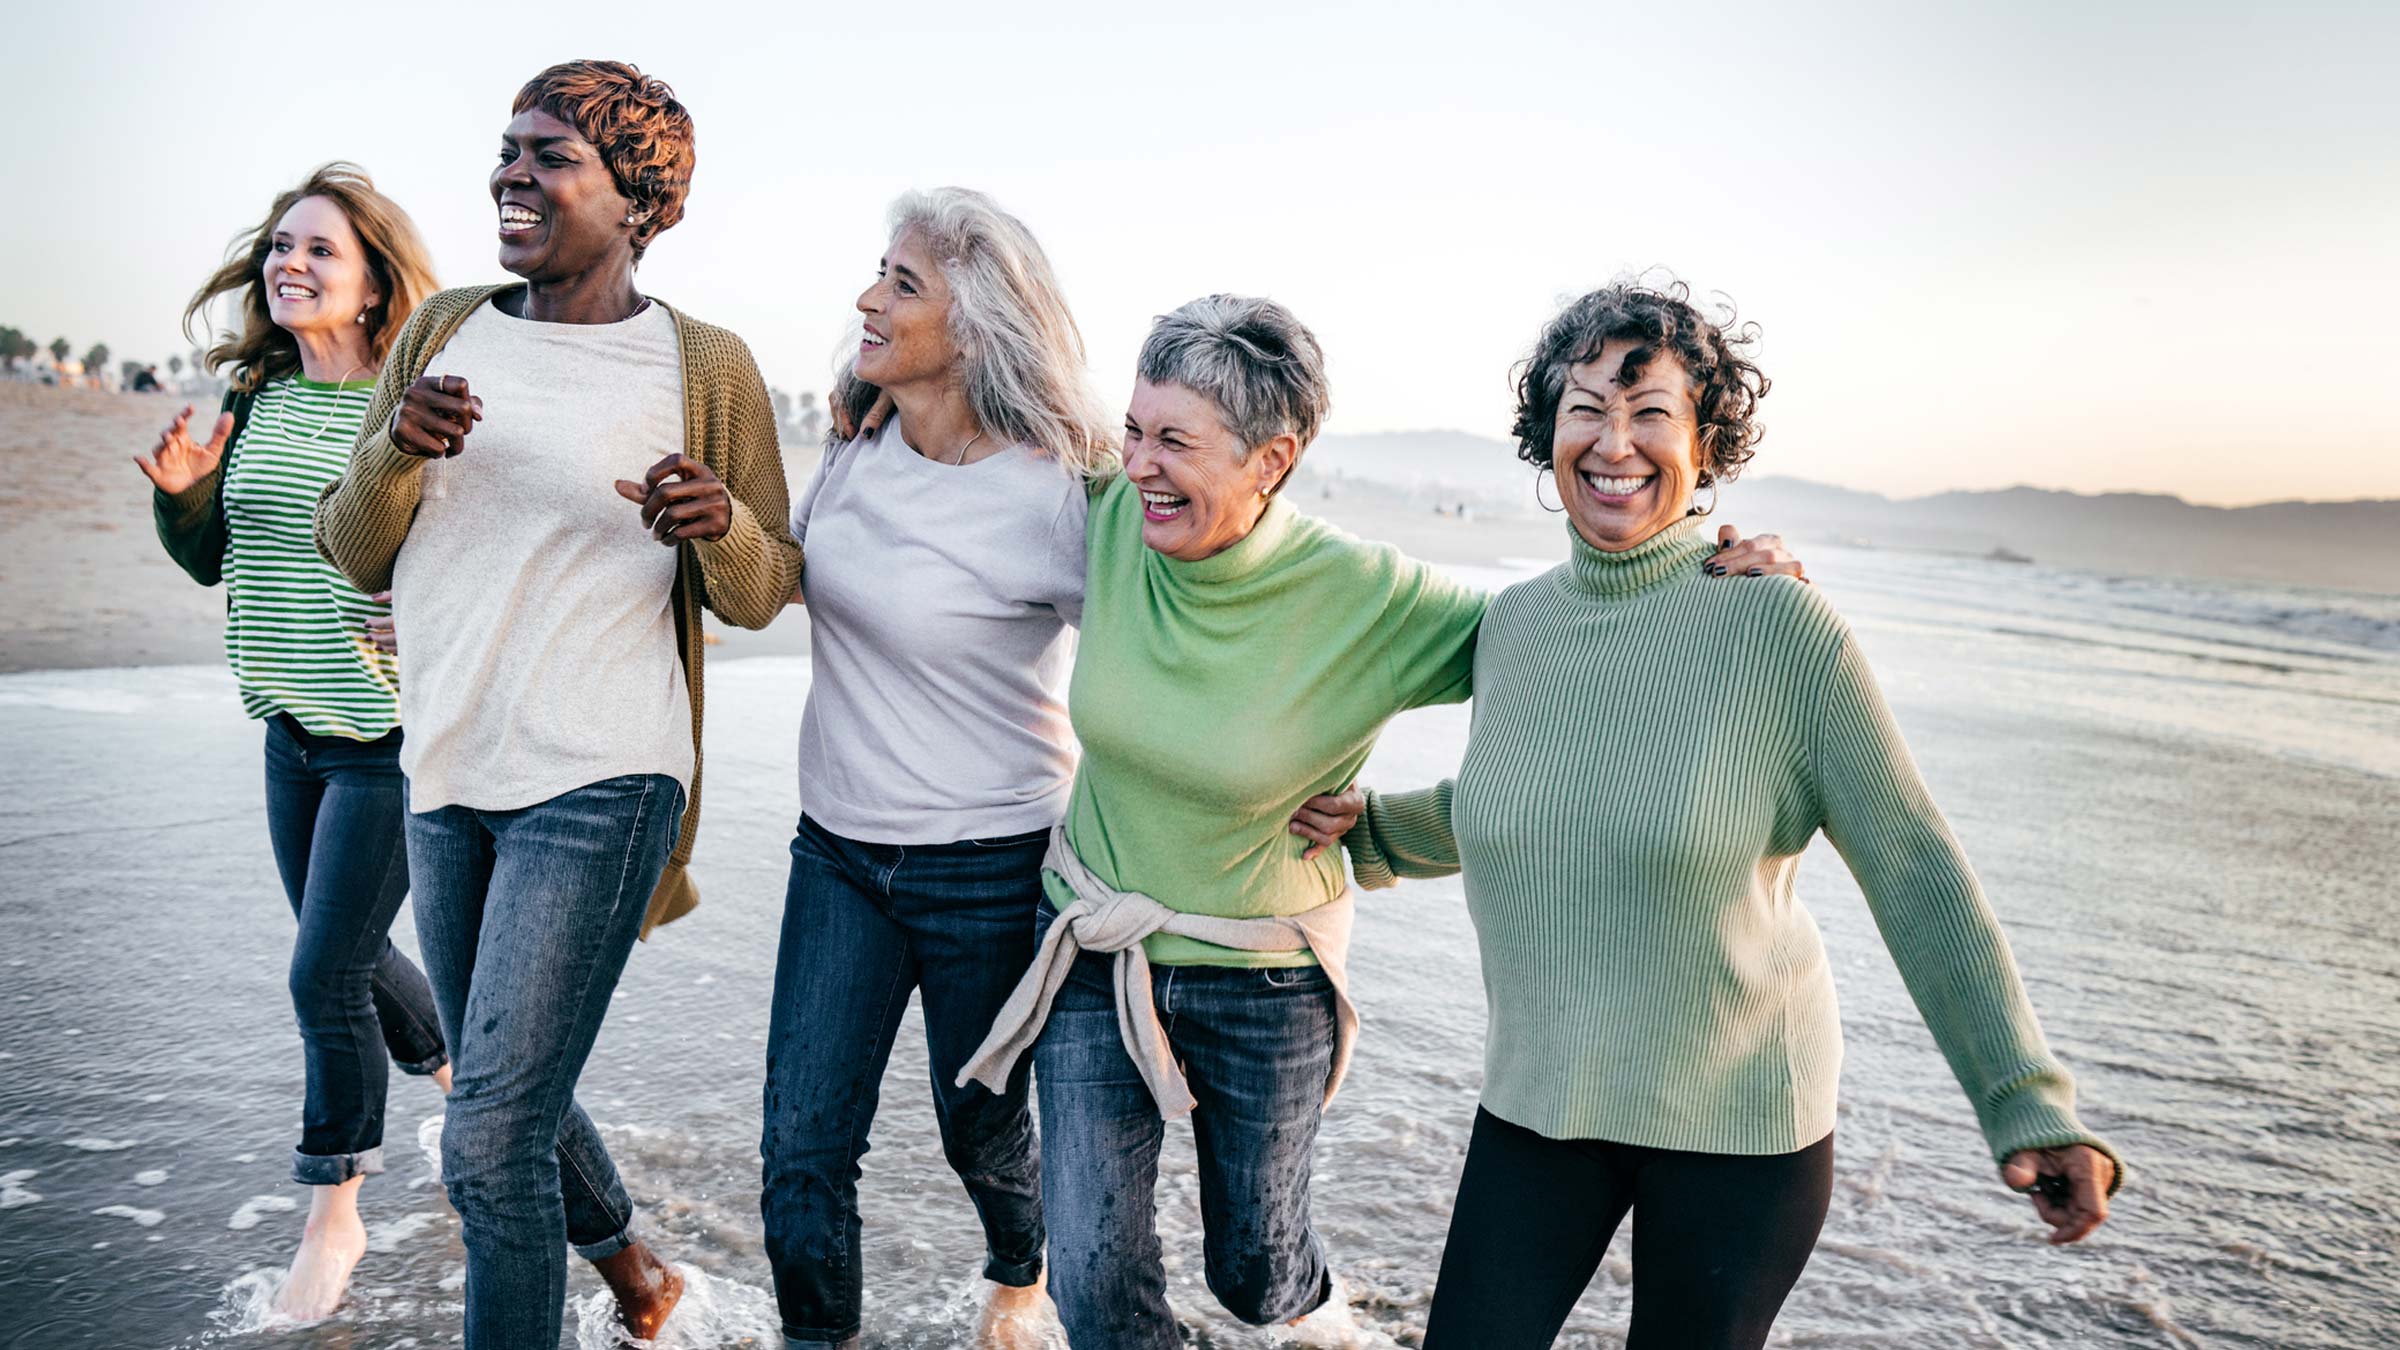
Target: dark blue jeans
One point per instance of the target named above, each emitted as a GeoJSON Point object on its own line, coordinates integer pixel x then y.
{"type": "Point", "coordinates": [333, 816]}
{"type": "Point", "coordinates": [526, 918]}
{"type": "Point", "coordinates": [863, 925]}
{"type": "Point", "coordinates": [1257, 1047]}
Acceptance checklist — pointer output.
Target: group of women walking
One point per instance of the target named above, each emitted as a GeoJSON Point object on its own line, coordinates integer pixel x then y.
{"type": "Point", "coordinates": [1130, 896]}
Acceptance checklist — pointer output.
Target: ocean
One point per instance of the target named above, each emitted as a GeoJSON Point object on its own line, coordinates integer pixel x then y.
{"type": "Point", "coordinates": [2183, 797]}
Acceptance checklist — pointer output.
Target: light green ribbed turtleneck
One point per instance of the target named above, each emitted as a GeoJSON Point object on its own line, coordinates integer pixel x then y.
{"type": "Point", "coordinates": [1650, 754]}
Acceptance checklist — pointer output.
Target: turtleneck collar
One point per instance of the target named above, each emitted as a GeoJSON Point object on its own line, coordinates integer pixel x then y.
{"type": "Point", "coordinates": [1240, 558]}
{"type": "Point", "coordinates": [1673, 551]}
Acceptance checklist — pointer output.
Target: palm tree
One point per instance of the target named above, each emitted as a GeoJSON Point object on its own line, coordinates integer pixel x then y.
{"type": "Point", "coordinates": [59, 349]}
{"type": "Point", "coordinates": [175, 366]}
{"type": "Point", "coordinates": [96, 360]}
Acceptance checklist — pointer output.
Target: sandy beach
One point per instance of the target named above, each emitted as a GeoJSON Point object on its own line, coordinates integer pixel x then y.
{"type": "Point", "coordinates": [2179, 794]}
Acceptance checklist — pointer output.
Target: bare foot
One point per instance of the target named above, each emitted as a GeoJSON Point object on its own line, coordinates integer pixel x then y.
{"type": "Point", "coordinates": [1017, 1317]}
{"type": "Point", "coordinates": [1330, 1326]}
{"type": "Point", "coordinates": [647, 1288]}
{"type": "Point", "coordinates": [329, 1247]}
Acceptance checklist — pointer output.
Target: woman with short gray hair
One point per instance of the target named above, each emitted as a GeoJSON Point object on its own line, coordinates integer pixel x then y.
{"type": "Point", "coordinates": [1237, 659]}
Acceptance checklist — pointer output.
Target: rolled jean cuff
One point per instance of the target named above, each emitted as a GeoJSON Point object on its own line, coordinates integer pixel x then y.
{"type": "Point", "coordinates": [607, 1246]}
{"type": "Point", "coordinates": [332, 1169]}
{"type": "Point", "coordinates": [440, 1060]}
{"type": "Point", "coordinates": [1014, 1274]}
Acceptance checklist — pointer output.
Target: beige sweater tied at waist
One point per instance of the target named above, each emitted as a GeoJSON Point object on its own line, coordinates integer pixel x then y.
{"type": "Point", "coordinates": [1104, 919]}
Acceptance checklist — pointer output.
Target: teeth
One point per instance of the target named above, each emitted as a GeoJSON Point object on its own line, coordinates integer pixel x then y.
{"type": "Point", "coordinates": [1616, 487]}
{"type": "Point", "coordinates": [1165, 503]}
{"type": "Point", "coordinates": [288, 291]}
{"type": "Point", "coordinates": [519, 214]}
{"type": "Point", "coordinates": [871, 340]}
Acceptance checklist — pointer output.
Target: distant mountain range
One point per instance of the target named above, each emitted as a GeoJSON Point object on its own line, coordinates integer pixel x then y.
{"type": "Point", "coordinates": [2350, 545]}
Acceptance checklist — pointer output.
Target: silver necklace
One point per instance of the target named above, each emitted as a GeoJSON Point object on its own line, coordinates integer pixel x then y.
{"type": "Point", "coordinates": [962, 450]}
{"type": "Point", "coordinates": [285, 426]}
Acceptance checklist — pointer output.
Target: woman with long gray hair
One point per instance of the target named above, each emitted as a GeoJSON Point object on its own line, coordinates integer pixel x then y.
{"type": "Point", "coordinates": [945, 565]}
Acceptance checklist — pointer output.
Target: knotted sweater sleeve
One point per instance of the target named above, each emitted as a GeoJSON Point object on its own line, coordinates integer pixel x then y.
{"type": "Point", "coordinates": [1933, 916]}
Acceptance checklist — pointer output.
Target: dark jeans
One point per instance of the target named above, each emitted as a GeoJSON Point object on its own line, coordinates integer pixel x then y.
{"type": "Point", "coordinates": [526, 918]}
{"type": "Point", "coordinates": [863, 925]}
{"type": "Point", "coordinates": [333, 815]}
{"type": "Point", "coordinates": [1718, 1239]}
{"type": "Point", "coordinates": [1257, 1047]}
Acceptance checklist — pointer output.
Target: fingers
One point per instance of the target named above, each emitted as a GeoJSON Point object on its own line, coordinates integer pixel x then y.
{"type": "Point", "coordinates": [2068, 1188]}
{"type": "Point", "coordinates": [221, 433]}
{"type": "Point", "coordinates": [150, 471]}
{"type": "Point", "coordinates": [877, 415]}
{"type": "Point", "coordinates": [435, 416]}
{"type": "Point", "coordinates": [677, 465]}
{"type": "Point", "coordinates": [1728, 535]}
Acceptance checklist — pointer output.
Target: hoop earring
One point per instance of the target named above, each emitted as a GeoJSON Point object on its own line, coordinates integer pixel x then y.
{"type": "Point", "coordinates": [1552, 475]}
{"type": "Point", "coordinates": [1706, 481]}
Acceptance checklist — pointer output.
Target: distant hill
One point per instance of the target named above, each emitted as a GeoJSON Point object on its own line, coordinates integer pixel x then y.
{"type": "Point", "coordinates": [2352, 545]}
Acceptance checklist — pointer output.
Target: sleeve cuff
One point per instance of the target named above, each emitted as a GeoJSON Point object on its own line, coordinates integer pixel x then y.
{"type": "Point", "coordinates": [2033, 1118]}
{"type": "Point", "coordinates": [193, 501]}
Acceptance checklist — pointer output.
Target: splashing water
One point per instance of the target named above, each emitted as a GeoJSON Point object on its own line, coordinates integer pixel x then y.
{"type": "Point", "coordinates": [257, 1208]}
{"type": "Point", "coordinates": [429, 1143]}
{"type": "Point", "coordinates": [715, 1312]}
{"type": "Point", "coordinates": [13, 1193]}
{"type": "Point", "coordinates": [147, 1218]}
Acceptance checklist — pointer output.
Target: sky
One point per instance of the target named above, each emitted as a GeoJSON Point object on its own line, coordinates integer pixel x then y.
{"type": "Point", "coordinates": [2123, 247]}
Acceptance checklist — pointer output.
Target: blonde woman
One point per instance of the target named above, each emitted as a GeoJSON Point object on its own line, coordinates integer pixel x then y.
{"type": "Point", "coordinates": [321, 285]}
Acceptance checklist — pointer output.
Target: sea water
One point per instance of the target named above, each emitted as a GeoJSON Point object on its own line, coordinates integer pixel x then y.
{"type": "Point", "coordinates": [2184, 799]}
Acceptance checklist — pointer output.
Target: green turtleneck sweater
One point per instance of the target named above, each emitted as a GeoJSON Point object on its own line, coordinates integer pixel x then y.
{"type": "Point", "coordinates": [1650, 754]}
{"type": "Point", "coordinates": [1213, 697]}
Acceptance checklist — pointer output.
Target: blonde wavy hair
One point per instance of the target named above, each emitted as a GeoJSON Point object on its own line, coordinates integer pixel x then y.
{"type": "Point", "coordinates": [258, 351]}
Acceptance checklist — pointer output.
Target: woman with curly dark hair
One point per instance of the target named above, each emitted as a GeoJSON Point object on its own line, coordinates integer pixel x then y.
{"type": "Point", "coordinates": [1649, 757]}
{"type": "Point", "coordinates": [551, 653]}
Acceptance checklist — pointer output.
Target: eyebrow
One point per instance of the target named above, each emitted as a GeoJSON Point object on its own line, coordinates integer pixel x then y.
{"type": "Point", "coordinates": [1579, 387]}
{"type": "Point", "coordinates": [540, 142]}
{"type": "Point", "coordinates": [314, 238]}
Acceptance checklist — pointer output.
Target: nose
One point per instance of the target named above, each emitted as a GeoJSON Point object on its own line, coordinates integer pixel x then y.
{"type": "Point", "coordinates": [1137, 462]}
{"type": "Point", "coordinates": [870, 300]}
{"type": "Point", "coordinates": [1615, 443]}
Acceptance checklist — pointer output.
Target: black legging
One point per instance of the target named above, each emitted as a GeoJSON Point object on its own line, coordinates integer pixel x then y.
{"type": "Point", "coordinates": [1718, 1239]}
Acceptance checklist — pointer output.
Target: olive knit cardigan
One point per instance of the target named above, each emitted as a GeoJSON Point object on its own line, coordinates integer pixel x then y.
{"type": "Point", "coordinates": [729, 425]}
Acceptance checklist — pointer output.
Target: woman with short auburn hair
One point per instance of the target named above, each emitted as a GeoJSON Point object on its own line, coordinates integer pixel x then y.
{"type": "Point", "coordinates": [1664, 1039]}
{"type": "Point", "coordinates": [552, 669]}
{"type": "Point", "coordinates": [322, 284]}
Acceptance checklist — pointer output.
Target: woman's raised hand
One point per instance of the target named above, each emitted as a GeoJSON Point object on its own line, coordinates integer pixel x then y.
{"type": "Point", "coordinates": [681, 499]}
{"type": "Point", "coordinates": [1763, 556]}
{"type": "Point", "coordinates": [1325, 818]}
{"type": "Point", "coordinates": [178, 461]}
{"type": "Point", "coordinates": [2069, 1187]}
{"type": "Point", "coordinates": [434, 417]}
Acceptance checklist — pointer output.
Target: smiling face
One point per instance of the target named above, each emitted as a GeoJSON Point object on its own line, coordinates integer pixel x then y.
{"type": "Point", "coordinates": [907, 318]}
{"type": "Point", "coordinates": [561, 215]}
{"type": "Point", "coordinates": [316, 271]}
{"type": "Point", "coordinates": [1200, 495]}
{"type": "Point", "coordinates": [1627, 456]}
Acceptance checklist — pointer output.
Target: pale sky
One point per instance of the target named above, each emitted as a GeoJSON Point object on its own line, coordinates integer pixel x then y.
{"type": "Point", "coordinates": [2127, 246]}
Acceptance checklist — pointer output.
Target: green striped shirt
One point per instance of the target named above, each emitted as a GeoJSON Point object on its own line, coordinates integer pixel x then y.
{"type": "Point", "coordinates": [295, 631]}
